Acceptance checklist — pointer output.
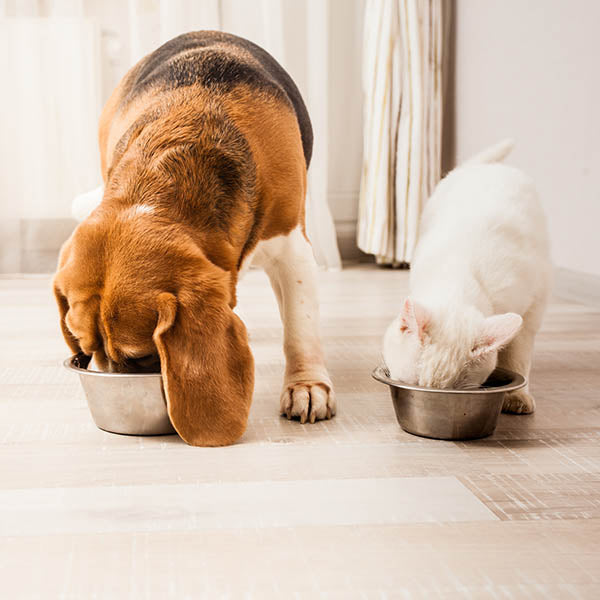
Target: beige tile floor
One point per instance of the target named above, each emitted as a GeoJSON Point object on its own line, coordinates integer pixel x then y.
{"type": "Point", "coordinates": [351, 508]}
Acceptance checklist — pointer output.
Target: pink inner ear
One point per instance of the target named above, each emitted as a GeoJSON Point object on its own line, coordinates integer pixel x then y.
{"type": "Point", "coordinates": [414, 318]}
{"type": "Point", "coordinates": [497, 331]}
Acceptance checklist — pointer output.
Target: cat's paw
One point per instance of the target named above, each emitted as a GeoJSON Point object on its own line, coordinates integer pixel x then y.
{"type": "Point", "coordinates": [314, 401]}
{"type": "Point", "coordinates": [518, 403]}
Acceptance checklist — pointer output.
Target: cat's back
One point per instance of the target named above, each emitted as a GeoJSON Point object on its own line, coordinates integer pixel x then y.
{"type": "Point", "coordinates": [483, 223]}
{"type": "Point", "coordinates": [473, 192]}
{"type": "Point", "coordinates": [476, 201]}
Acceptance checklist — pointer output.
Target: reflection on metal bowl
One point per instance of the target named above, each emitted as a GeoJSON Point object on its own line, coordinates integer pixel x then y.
{"type": "Point", "coordinates": [450, 414]}
{"type": "Point", "coordinates": [129, 403]}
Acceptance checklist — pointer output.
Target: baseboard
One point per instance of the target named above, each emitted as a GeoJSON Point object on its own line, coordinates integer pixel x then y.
{"type": "Point", "coordinates": [346, 238]}
{"type": "Point", "coordinates": [31, 246]}
{"type": "Point", "coordinates": [575, 286]}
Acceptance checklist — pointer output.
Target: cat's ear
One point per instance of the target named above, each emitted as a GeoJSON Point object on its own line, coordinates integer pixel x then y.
{"type": "Point", "coordinates": [414, 318]}
{"type": "Point", "coordinates": [497, 331]}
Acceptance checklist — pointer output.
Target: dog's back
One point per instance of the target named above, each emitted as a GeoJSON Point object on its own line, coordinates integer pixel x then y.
{"type": "Point", "coordinates": [212, 130]}
{"type": "Point", "coordinates": [221, 61]}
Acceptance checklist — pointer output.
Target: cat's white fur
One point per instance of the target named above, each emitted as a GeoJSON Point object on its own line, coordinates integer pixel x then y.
{"type": "Point", "coordinates": [479, 282]}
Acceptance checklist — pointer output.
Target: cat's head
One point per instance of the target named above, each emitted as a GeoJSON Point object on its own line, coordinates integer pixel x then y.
{"type": "Point", "coordinates": [445, 349]}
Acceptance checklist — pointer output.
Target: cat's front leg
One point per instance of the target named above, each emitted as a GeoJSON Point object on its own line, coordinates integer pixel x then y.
{"type": "Point", "coordinates": [520, 402]}
{"type": "Point", "coordinates": [517, 357]}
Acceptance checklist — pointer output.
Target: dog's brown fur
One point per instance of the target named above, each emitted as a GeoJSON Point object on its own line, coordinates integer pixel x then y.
{"type": "Point", "coordinates": [195, 177]}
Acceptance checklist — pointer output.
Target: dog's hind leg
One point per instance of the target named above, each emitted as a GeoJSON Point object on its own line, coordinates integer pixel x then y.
{"type": "Point", "coordinates": [289, 262]}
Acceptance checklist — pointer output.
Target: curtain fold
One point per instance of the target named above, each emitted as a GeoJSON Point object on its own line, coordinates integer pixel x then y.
{"type": "Point", "coordinates": [319, 222]}
{"type": "Point", "coordinates": [402, 87]}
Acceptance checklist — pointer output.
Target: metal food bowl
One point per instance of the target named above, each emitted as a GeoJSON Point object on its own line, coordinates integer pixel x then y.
{"type": "Point", "coordinates": [129, 403]}
{"type": "Point", "coordinates": [451, 414]}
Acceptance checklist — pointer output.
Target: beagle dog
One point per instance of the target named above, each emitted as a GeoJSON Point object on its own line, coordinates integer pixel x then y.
{"type": "Point", "coordinates": [204, 150]}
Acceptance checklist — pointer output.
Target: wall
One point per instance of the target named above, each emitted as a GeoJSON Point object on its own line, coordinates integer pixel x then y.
{"type": "Point", "coordinates": [529, 70]}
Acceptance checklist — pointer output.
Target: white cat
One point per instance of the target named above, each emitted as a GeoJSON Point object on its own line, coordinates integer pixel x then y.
{"type": "Point", "coordinates": [479, 282]}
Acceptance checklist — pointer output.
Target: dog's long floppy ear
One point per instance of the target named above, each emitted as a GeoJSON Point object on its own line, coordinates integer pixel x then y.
{"type": "Point", "coordinates": [207, 368]}
{"type": "Point", "coordinates": [63, 309]}
{"type": "Point", "coordinates": [63, 303]}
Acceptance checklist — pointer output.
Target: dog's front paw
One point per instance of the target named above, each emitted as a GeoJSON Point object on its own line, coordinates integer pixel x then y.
{"type": "Point", "coordinates": [312, 401]}
{"type": "Point", "coordinates": [519, 403]}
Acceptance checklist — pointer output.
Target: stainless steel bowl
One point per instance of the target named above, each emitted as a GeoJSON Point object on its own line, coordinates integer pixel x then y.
{"type": "Point", "coordinates": [450, 414]}
{"type": "Point", "coordinates": [130, 403]}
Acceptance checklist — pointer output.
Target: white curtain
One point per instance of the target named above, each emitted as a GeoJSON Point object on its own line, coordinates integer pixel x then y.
{"type": "Point", "coordinates": [402, 87]}
{"type": "Point", "coordinates": [49, 107]}
{"type": "Point", "coordinates": [62, 58]}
